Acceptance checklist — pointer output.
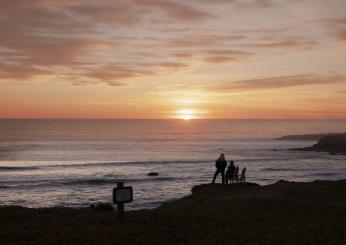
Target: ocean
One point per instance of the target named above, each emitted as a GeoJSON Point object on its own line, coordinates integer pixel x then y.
{"type": "Point", "coordinates": [75, 163]}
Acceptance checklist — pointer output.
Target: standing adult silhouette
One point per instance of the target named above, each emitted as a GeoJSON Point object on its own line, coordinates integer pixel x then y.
{"type": "Point", "coordinates": [220, 165]}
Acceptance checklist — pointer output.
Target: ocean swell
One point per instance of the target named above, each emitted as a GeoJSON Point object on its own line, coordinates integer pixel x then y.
{"type": "Point", "coordinates": [99, 164]}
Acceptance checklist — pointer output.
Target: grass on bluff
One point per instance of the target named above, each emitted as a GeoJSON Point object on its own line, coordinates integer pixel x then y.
{"type": "Point", "coordinates": [283, 213]}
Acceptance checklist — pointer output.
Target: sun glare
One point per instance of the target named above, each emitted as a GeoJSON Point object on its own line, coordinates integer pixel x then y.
{"type": "Point", "coordinates": [186, 114]}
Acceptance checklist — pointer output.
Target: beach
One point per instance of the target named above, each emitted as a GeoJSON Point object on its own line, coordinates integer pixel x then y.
{"type": "Point", "coordinates": [280, 213]}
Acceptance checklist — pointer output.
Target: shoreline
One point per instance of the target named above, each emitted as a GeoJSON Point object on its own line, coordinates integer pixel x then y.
{"type": "Point", "coordinates": [285, 212]}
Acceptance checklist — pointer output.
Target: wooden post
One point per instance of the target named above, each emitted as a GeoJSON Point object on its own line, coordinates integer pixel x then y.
{"type": "Point", "coordinates": [120, 206]}
{"type": "Point", "coordinates": [122, 195]}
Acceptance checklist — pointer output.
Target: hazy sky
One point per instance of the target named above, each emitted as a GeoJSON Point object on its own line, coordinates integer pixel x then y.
{"type": "Point", "coordinates": [173, 58]}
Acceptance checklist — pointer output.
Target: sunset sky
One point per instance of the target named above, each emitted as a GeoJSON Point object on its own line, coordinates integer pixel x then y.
{"type": "Point", "coordinates": [237, 59]}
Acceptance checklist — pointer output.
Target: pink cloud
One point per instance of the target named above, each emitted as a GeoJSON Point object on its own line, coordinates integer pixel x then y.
{"type": "Point", "coordinates": [289, 43]}
{"type": "Point", "coordinates": [110, 74]}
{"type": "Point", "coordinates": [279, 82]}
{"type": "Point", "coordinates": [341, 35]}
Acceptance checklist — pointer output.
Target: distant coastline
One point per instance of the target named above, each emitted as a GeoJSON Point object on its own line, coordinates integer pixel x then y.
{"type": "Point", "coordinates": [307, 137]}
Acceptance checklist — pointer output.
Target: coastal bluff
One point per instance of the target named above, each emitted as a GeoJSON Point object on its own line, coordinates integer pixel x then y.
{"type": "Point", "coordinates": [331, 143]}
{"type": "Point", "coordinates": [281, 213]}
{"type": "Point", "coordinates": [303, 137]}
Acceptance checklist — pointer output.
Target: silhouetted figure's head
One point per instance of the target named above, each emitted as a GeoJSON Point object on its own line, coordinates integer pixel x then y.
{"type": "Point", "coordinates": [222, 157]}
{"type": "Point", "coordinates": [231, 163]}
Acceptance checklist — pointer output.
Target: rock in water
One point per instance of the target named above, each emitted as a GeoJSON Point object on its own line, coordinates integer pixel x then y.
{"type": "Point", "coordinates": [153, 174]}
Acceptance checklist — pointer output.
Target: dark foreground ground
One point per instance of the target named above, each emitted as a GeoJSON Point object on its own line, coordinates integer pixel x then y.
{"type": "Point", "coordinates": [282, 213]}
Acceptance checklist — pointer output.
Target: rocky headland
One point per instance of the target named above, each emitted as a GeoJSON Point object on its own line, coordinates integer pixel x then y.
{"type": "Point", "coordinates": [304, 136]}
{"type": "Point", "coordinates": [331, 143]}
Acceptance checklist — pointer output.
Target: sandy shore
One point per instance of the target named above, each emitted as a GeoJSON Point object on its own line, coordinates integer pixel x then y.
{"type": "Point", "coordinates": [281, 213]}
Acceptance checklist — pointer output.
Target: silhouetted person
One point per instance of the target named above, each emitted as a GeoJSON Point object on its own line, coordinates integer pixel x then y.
{"type": "Point", "coordinates": [230, 171]}
{"type": "Point", "coordinates": [235, 175]}
{"type": "Point", "coordinates": [220, 165]}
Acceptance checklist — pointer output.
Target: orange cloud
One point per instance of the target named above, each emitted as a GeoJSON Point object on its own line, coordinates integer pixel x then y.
{"type": "Point", "coordinates": [110, 74]}
{"type": "Point", "coordinates": [254, 3]}
{"type": "Point", "coordinates": [11, 71]}
{"type": "Point", "coordinates": [284, 44]}
{"type": "Point", "coordinates": [337, 25]}
{"type": "Point", "coordinates": [45, 34]}
{"type": "Point", "coordinates": [280, 82]}
{"type": "Point", "coordinates": [177, 10]}
{"type": "Point", "coordinates": [224, 56]}
{"type": "Point", "coordinates": [341, 35]}
{"type": "Point", "coordinates": [333, 21]}
{"type": "Point", "coordinates": [215, 55]}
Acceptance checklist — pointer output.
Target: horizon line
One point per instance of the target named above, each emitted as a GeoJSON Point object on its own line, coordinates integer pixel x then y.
{"type": "Point", "coordinates": [177, 119]}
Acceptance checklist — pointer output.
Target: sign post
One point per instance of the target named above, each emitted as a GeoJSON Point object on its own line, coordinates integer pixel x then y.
{"type": "Point", "coordinates": [122, 195]}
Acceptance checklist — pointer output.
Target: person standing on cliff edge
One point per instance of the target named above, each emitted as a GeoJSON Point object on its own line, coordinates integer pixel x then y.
{"type": "Point", "coordinates": [220, 165]}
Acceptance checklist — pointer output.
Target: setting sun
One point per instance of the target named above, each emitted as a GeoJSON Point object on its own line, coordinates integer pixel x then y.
{"type": "Point", "coordinates": [186, 114]}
